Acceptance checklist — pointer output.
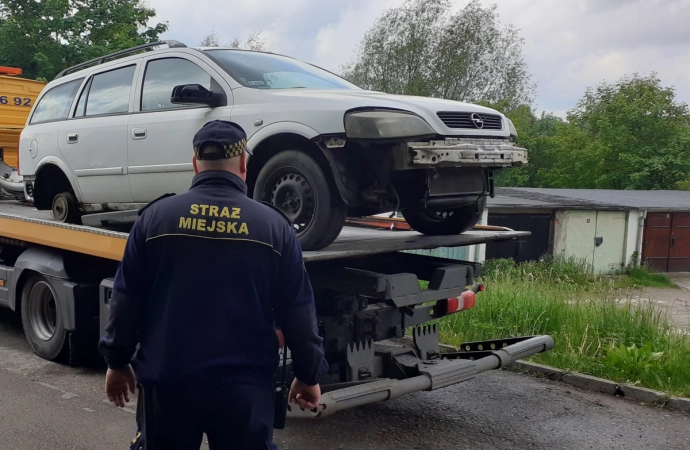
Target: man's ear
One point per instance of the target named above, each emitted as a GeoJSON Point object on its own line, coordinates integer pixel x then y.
{"type": "Point", "coordinates": [196, 169]}
{"type": "Point", "coordinates": [243, 162]}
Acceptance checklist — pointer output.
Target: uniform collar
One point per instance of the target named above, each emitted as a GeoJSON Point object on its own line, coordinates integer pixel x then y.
{"type": "Point", "coordinates": [219, 178]}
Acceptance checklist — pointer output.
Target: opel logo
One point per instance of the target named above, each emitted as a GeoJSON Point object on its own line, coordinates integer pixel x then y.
{"type": "Point", "coordinates": [477, 120]}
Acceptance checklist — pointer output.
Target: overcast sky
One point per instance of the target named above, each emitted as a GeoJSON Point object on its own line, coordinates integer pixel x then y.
{"type": "Point", "coordinates": [569, 44]}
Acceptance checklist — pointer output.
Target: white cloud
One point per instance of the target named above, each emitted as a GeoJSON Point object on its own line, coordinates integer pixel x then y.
{"type": "Point", "coordinates": [569, 44]}
{"type": "Point", "coordinates": [336, 42]}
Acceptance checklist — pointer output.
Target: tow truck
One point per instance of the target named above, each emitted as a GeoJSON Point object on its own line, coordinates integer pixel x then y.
{"type": "Point", "coordinates": [369, 302]}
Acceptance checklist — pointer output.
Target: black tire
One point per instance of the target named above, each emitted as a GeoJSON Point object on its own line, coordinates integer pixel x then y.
{"type": "Point", "coordinates": [451, 221]}
{"type": "Point", "coordinates": [66, 208]}
{"type": "Point", "coordinates": [300, 187]}
{"type": "Point", "coordinates": [42, 320]}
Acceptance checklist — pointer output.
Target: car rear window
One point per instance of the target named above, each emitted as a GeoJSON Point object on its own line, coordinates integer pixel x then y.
{"type": "Point", "coordinates": [55, 104]}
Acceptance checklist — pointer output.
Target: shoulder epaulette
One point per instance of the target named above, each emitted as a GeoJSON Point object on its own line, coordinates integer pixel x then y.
{"type": "Point", "coordinates": [154, 201]}
{"type": "Point", "coordinates": [279, 210]}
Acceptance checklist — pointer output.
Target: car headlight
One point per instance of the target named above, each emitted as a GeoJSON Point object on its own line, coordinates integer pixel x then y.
{"type": "Point", "coordinates": [385, 125]}
{"type": "Point", "coordinates": [511, 127]}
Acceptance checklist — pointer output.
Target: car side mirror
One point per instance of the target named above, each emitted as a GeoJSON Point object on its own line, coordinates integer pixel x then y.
{"type": "Point", "coordinates": [193, 94]}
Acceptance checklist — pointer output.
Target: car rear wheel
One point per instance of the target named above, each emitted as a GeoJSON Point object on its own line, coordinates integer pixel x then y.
{"type": "Point", "coordinates": [297, 184]}
{"type": "Point", "coordinates": [66, 208]}
{"type": "Point", "coordinates": [449, 221]}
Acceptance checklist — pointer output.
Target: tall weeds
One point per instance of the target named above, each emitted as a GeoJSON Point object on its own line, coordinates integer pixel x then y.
{"type": "Point", "coordinates": [597, 326]}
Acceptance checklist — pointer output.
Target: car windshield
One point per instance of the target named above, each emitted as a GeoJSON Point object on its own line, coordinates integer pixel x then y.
{"type": "Point", "coordinates": [267, 71]}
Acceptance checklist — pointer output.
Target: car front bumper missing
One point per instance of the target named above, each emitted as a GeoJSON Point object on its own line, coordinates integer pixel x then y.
{"type": "Point", "coordinates": [457, 152]}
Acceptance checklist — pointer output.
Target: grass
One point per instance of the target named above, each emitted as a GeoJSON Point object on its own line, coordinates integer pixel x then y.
{"type": "Point", "coordinates": [597, 327]}
{"type": "Point", "coordinates": [641, 276]}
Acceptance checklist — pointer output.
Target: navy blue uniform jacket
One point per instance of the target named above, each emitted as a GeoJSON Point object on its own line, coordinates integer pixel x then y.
{"type": "Point", "coordinates": [206, 277]}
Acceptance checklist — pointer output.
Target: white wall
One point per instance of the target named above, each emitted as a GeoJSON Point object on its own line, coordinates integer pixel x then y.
{"type": "Point", "coordinates": [633, 235]}
{"type": "Point", "coordinates": [477, 253]}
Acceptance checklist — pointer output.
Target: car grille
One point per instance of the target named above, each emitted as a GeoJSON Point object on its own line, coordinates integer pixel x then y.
{"type": "Point", "coordinates": [464, 120]}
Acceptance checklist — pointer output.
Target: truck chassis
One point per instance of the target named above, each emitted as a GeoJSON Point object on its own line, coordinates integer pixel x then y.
{"type": "Point", "coordinates": [379, 326]}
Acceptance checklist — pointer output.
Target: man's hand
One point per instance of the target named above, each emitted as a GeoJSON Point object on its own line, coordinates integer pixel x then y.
{"type": "Point", "coordinates": [307, 397]}
{"type": "Point", "coordinates": [118, 384]}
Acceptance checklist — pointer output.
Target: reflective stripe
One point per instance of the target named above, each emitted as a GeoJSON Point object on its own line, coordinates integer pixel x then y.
{"type": "Point", "coordinates": [214, 238]}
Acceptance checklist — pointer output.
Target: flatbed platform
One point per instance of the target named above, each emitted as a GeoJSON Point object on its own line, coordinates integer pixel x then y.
{"type": "Point", "coordinates": [25, 223]}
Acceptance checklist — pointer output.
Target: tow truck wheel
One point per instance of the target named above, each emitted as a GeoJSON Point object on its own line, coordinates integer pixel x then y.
{"type": "Point", "coordinates": [296, 184]}
{"type": "Point", "coordinates": [450, 221]}
{"type": "Point", "coordinates": [41, 318]}
{"type": "Point", "coordinates": [66, 208]}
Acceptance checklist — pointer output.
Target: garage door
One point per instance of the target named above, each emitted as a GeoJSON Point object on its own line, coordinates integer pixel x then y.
{"type": "Point", "coordinates": [666, 244]}
{"type": "Point", "coordinates": [595, 237]}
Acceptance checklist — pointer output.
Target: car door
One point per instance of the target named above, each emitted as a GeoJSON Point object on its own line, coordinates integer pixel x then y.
{"type": "Point", "coordinates": [94, 140]}
{"type": "Point", "coordinates": [38, 139]}
{"type": "Point", "coordinates": [160, 133]}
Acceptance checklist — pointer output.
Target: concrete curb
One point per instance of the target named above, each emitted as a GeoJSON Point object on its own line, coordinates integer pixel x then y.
{"type": "Point", "coordinates": [588, 382]}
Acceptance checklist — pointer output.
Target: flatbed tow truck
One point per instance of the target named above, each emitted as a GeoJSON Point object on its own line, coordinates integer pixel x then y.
{"type": "Point", "coordinates": [59, 278]}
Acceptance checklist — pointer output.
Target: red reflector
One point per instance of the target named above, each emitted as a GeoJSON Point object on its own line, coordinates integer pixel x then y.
{"type": "Point", "coordinates": [470, 299]}
{"type": "Point", "coordinates": [466, 300]}
{"type": "Point", "coordinates": [453, 304]}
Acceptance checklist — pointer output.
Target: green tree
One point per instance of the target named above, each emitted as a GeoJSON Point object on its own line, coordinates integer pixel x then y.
{"type": "Point", "coordinates": [631, 134]}
{"type": "Point", "coordinates": [424, 48]}
{"type": "Point", "coordinates": [254, 41]}
{"type": "Point", "coordinates": [537, 134]}
{"type": "Point", "coordinates": [210, 40]}
{"type": "Point", "coordinates": [46, 36]}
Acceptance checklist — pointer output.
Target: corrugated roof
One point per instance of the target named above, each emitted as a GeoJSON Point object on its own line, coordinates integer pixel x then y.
{"type": "Point", "coordinates": [590, 199]}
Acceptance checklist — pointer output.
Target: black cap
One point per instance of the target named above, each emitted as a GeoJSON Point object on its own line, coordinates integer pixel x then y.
{"type": "Point", "coordinates": [228, 138]}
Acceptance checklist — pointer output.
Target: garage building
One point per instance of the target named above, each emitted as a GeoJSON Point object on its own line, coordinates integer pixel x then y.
{"type": "Point", "coordinates": [608, 228]}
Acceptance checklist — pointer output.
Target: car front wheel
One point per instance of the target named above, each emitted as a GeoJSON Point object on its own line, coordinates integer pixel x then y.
{"type": "Point", "coordinates": [299, 186]}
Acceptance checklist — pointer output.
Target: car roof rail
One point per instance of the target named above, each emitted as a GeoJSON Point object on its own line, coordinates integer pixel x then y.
{"type": "Point", "coordinates": [119, 54]}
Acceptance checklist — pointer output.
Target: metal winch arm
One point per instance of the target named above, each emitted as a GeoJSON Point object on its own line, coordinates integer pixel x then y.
{"type": "Point", "coordinates": [436, 374]}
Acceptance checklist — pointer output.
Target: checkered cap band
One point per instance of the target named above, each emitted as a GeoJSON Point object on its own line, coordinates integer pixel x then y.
{"type": "Point", "coordinates": [231, 150]}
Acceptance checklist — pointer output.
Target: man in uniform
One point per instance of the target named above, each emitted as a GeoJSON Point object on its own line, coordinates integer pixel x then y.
{"type": "Point", "coordinates": [206, 277]}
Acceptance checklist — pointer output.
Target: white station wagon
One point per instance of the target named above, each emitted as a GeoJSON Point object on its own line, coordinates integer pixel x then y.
{"type": "Point", "coordinates": [115, 133]}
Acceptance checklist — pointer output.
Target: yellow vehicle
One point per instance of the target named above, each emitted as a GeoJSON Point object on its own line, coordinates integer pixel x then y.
{"type": "Point", "coordinates": [17, 96]}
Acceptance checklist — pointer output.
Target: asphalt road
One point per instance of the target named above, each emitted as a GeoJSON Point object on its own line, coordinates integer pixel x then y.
{"type": "Point", "coordinates": [46, 406]}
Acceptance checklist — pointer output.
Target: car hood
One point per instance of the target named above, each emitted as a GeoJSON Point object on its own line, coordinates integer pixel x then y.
{"type": "Point", "coordinates": [426, 107]}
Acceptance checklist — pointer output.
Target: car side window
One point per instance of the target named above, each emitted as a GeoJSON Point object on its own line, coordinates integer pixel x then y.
{"type": "Point", "coordinates": [162, 75]}
{"type": "Point", "coordinates": [109, 92]}
{"type": "Point", "coordinates": [55, 104]}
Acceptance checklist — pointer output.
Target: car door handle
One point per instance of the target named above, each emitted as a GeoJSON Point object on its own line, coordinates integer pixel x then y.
{"type": "Point", "coordinates": [72, 138]}
{"type": "Point", "coordinates": [138, 133]}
